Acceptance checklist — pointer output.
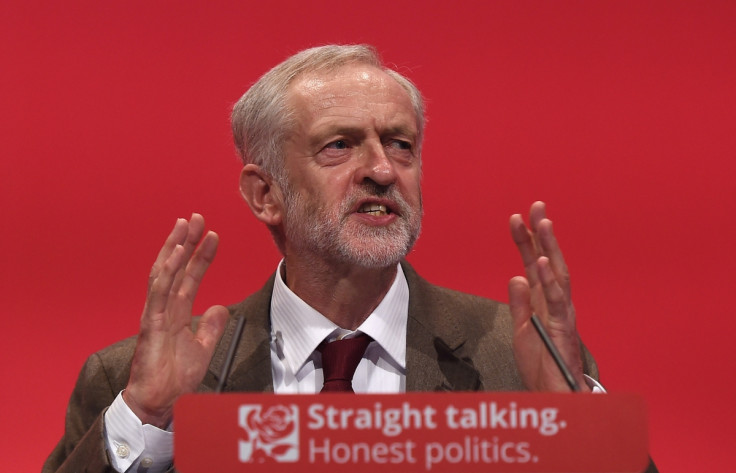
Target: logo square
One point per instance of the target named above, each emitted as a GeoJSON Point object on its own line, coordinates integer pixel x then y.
{"type": "Point", "coordinates": [273, 433]}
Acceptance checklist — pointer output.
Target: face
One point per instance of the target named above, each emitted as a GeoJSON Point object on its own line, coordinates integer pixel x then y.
{"type": "Point", "coordinates": [352, 190]}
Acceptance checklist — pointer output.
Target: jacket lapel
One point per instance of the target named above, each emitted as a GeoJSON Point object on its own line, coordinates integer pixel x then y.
{"type": "Point", "coordinates": [251, 366]}
{"type": "Point", "coordinates": [433, 341]}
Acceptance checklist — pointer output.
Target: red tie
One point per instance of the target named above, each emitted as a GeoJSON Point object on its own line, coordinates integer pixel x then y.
{"type": "Point", "coordinates": [339, 360]}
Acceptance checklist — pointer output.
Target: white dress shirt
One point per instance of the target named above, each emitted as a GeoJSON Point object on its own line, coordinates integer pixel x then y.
{"type": "Point", "coordinates": [297, 329]}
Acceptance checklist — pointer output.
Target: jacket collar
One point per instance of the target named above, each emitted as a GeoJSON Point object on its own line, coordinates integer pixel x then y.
{"type": "Point", "coordinates": [434, 342]}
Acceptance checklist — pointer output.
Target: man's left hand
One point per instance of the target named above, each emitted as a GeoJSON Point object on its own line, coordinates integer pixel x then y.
{"type": "Point", "coordinates": [545, 291]}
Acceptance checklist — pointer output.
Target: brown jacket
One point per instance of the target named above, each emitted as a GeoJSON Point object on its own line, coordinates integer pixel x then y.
{"type": "Point", "coordinates": [455, 342]}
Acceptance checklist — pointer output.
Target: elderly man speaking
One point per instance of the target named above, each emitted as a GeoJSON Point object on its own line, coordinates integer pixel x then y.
{"type": "Point", "coordinates": [331, 143]}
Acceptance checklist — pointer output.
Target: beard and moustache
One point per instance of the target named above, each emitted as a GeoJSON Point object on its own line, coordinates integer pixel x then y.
{"type": "Point", "coordinates": [329, 234]}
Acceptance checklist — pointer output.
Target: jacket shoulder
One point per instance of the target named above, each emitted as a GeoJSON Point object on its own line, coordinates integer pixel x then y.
{"type": "Point", "coordinates": [454, 314]}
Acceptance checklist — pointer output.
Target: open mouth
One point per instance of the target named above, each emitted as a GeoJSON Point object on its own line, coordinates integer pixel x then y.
{"type": "Point", "coordinates": [377, 210]}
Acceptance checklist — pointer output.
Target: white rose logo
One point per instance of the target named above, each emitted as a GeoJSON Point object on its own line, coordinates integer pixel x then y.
{"type": "Point", "coordinates": [273, 433]}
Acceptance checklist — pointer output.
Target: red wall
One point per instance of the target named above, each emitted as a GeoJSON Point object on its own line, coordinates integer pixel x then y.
{"type": "Point", "coordinates": [114, 121]}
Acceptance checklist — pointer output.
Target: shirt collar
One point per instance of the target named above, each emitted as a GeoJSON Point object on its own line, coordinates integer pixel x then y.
{"type": "Point", "coordinates": [298, 328]}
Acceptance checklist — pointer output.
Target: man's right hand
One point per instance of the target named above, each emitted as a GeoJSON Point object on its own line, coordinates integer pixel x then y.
{"type": "Point", "coordinates": [170, 359]}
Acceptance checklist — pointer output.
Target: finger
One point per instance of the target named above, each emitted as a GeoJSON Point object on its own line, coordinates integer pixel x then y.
{"type": "Point", "coordinates": [525, 243]}
{"type": "Point", "coordinates": [519, 302]}
{"type": "Point", "coordinates": [176, 237]}
{"type": "Point", "coordinates": [196, 230]}
{"type": "Point", "coordinates": [551, 249]}
{"type": "Point", "coordinates": [557, 303]}
{"type": "Point", "coordinates": [537, 212]}
{"type": "Point", "coordinates": [197, 267]}
{"type": "Point", "coordinates": [158, 296]}
{"type": "Point", "coordinates": [194, 235]}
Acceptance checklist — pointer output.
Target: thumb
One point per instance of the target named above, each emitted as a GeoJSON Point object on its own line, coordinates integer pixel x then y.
{"type": "Point", "coordinates": [211, 326]}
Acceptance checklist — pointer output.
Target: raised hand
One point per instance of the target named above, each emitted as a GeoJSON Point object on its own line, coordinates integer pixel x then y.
{"type": "Point", "coordinates": [170, 358]}
{"type": "Point", "coordinates": [546, 292]}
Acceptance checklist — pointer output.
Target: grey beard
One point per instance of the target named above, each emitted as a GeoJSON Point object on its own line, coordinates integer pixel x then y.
{"type": "Point", "coordinates": [312, 230]}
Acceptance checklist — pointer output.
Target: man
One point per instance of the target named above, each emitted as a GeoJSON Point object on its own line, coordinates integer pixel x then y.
{"type": "Point", "coordinates": [331, 144]}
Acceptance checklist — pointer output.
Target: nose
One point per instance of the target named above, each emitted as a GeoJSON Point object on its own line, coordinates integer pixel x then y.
{"type": "Point", "coordinates": [377, 166]}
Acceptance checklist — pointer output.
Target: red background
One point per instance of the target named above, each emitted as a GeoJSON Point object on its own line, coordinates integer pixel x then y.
{"type": "Point", "coordinates": [620, 115]}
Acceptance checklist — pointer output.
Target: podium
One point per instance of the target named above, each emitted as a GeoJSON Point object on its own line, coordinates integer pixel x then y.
{"type": "Point", "coordinates": [411, 433]}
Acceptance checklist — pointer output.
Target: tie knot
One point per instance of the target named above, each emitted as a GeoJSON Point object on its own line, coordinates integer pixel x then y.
{"type": "Point", "coordinates": [339, 361]}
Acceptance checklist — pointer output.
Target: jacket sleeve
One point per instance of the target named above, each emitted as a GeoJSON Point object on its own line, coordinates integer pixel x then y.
{"type": "Point", "coordinates": [82, 448]}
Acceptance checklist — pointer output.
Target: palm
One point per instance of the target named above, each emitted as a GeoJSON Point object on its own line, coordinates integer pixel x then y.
{"type": "Point", "coordinates": [170, 358]}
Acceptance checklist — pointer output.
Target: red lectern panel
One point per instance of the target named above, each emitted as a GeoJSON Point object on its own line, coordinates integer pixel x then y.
{"type": "Point", "coordinates": [417, 432]}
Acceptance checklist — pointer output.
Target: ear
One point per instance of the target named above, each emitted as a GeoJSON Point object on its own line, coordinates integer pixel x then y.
{"type": "Point", "coordinates": [262, 194]}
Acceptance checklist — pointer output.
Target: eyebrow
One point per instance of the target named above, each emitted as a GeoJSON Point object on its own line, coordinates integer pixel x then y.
{"type": "Point", "coordinates": [401, 130]}
{"type": "Point", "coordinates": [319, 138]}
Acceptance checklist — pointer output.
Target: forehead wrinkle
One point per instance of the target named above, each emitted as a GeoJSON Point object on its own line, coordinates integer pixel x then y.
{"type": "Point", "coordinates": [343, 98]}
{"type": "Point", "coordinates": [353, 121]}
{"type": "Point", "coordinates": [368, 79]}
{"type": "Point", "coordinates": [348, 93]}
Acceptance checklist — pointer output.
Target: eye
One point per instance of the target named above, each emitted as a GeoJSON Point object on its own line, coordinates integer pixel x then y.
{"type": "Point", "coordinates": [400, 144]}
{"type": "Point", "coordinates": [398, 148]}
{"type": "Point", "coordinates": [336, 152]}
{"type": "Point", "coordinates": [339, 144]}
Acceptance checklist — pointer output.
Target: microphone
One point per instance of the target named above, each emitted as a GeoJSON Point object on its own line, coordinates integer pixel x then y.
{"type": "Point", "coordinates": [552, 349]}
